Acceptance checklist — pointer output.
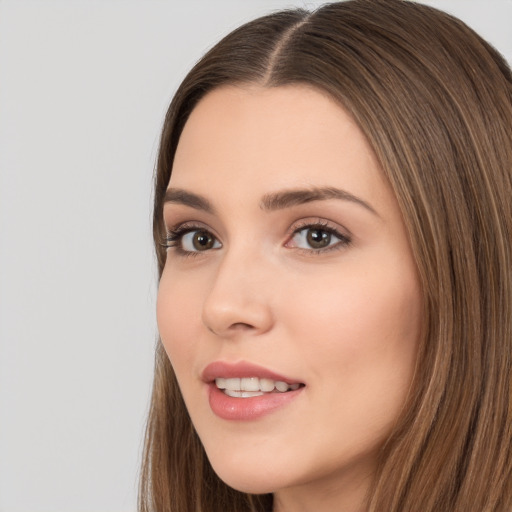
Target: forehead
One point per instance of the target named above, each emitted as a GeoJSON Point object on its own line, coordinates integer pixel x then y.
{"type": "Point", "coordinates": [253, 140]}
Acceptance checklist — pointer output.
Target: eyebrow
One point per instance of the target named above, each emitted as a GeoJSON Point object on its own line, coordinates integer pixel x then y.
{"type": "Point", "coordinates": [288, 198]}
{"type": "Point", "coordinates": [180, 196]}
{"type": "Point", "coordinates": [272, 201]}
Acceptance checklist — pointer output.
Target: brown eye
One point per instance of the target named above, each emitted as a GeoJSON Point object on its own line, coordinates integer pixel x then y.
{"type": "Point", "coordinates": [318, 238]}
{"type": "Point", "coordinates": [202, 240]}
{"type": "Point", "coordinates": [196, 240]}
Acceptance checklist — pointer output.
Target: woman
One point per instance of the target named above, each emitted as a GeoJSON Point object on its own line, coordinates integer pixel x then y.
{"type": "Point", "coordinates": [333, 227]}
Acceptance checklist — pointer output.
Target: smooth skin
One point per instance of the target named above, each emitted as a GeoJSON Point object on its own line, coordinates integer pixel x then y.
{"type": "Point", "coordinates": [325, 292]}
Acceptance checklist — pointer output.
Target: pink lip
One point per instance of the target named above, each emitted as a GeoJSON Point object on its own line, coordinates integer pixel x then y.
{"type": "Point", "coordinates": [245, 409]}
{"type": "Point", "coordinates": [241, 369]}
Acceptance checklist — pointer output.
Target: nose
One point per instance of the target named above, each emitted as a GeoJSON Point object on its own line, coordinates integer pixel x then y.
{"type": "Point", "coordinates": [238, 301]}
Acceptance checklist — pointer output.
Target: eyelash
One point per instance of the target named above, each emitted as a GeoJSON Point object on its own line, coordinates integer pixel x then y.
{"type": "Point", "coordinates": [175, 236]}
{"type": "Point", "coordinates": [321, 225]}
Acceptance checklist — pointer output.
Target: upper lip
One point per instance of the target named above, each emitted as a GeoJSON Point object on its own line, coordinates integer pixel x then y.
{"type": "Point", "coordinates": [241, 369]}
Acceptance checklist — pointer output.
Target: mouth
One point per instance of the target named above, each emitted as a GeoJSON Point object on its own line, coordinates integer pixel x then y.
{"type": "Point", "coordinates": [243, 391]}
{"type": "Point", "coordinates": [248, 387]}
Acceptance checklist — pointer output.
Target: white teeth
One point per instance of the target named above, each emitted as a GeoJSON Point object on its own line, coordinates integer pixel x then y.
{"type": "Point", "coordinates": [267, 385]}
{"type": "Point", "coordinates": [221, 383]}
{"type": "Point", "coordinates": [246, 387]}
{"type": "Point", "coordinates": [233, 384]}
{"type": "Point", "coordinates": [243, 394]}
{"type": "Point", "coordinates": [281, 386]}
{"type": "Point", "coordinates": [250, 384]}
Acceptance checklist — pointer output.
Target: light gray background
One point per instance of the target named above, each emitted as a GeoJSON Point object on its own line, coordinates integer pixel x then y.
{"type": "Point", "coordinates": [84, 86]}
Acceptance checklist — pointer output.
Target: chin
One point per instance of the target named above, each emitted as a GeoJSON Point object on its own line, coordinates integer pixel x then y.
{"type": "Point", "coordinates": [249, 480]}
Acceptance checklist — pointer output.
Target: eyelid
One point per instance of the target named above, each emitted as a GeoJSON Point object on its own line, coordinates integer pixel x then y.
{"type": "Point", "coordinates": [189, 225]}
{"type": "Point", "coordinates": [318, 221]}
{"type": "Point", "coordinates": [176, 232]}
{"type": "Point", "coordinates": [344, 236]}
{"type": "Point", "coordinates": [184, 224]}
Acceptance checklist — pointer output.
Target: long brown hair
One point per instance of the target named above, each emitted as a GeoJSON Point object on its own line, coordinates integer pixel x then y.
{"type": "Point", "coordinates": [435, 103]}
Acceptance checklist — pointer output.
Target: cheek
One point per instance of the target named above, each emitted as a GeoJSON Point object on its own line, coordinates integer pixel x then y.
{"type": "Point", "coordinates": [359, 324]}
{"type": "Point", "coordinates": [177, 317]}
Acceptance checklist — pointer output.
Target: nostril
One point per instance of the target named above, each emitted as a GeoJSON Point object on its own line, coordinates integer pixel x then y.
{"type": "Point", "coordinates": [238, 326]}
{"type": "Point", "coordinates": [241, 326]}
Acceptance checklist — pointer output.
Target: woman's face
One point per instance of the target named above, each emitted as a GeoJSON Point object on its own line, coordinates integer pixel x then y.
{"type": "Point", "coordinates": [288, 266]}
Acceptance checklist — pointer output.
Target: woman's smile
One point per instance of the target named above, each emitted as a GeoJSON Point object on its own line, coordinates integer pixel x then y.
{"type": "Point", "coordinates": [244, 391]}
{"type": "Point", "coordinates": [289, 304]}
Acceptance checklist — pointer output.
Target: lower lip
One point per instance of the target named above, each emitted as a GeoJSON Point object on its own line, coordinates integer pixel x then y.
{"type": "Point", "coordinates": [246, 409]}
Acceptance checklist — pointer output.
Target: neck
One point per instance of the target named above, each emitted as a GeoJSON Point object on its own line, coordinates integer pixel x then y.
{"type": "Point", "coordinates": [347, 493]}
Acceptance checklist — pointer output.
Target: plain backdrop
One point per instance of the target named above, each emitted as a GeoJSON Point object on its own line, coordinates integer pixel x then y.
{"type": "Point", "coordinates": [84, 86]}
